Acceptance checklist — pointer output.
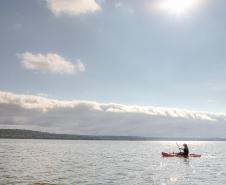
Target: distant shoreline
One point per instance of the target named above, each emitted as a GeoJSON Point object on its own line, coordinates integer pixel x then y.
{"type": "Point", "coordinates": [30, 134]}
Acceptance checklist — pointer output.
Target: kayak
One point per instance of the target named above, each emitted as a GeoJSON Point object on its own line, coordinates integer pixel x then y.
{"type": "Point", "coordinates": [170, 154]}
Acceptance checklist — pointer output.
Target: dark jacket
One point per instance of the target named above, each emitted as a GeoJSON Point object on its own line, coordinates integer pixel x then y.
{"type": "Point", "coordinates": [186, 150]}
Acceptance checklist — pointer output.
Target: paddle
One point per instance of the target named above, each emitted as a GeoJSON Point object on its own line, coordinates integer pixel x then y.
{"type": "Point", "coordinates": [178, 146]}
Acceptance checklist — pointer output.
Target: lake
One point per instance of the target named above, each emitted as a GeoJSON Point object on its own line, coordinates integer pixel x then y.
{"type": "Point", "coordinates": [109, 162]}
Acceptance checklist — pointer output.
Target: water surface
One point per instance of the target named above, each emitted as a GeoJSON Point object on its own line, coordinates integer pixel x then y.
{"type": "Point", "coordinates": [109, 162]}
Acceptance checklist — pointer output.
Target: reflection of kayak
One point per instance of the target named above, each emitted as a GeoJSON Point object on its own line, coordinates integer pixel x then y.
{"type": "Point", "coordinates": [168, 154]}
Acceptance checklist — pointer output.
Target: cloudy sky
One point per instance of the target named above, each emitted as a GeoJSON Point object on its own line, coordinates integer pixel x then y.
{"type": "Point", "coordinates": [114, 67]}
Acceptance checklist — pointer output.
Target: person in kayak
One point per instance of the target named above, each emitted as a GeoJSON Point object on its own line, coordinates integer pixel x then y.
{"type": "Point", "coordinates": [185, 151]}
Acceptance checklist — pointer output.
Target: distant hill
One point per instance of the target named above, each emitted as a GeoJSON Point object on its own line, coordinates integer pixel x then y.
{"type": "Point", "coordinates": [30, 134]}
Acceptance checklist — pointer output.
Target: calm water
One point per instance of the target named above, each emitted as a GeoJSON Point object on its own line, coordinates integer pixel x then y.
{"type": "Point", "coordinates": [109, 162]}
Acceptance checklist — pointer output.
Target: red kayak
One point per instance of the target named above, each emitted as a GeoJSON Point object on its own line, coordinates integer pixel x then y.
{"type": "Point", "coordinates": [167, 154]}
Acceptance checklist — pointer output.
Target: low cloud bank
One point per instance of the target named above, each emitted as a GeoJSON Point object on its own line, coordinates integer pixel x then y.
{"type": "Point", "coordinates": [87, 117]}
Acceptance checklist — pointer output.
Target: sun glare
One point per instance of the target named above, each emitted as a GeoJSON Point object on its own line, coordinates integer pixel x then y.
{"type": "Point", "coordinates": [177, 7]}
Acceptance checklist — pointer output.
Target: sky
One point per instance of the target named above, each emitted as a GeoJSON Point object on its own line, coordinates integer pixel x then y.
{"type": "Point", "coordinates": [114, 67]}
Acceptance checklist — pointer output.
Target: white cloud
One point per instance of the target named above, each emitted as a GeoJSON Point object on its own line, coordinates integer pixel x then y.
{"type": "Point", "coordinates": [73, 7]}
{"type": "Point", "coordinates": [86, 117]}
{"type": "Point", "coordinates": [50, 63]}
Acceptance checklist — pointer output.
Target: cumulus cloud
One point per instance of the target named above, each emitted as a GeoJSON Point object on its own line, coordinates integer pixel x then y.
{"type": "Point", "coordinates": [87, 117]}
{"type": "Point", "coordinates": [50, 63]}
{"type": "Point", "coordinates": [73, 7]}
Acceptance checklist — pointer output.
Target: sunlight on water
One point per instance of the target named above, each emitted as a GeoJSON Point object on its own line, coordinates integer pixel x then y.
{"type": "Point", "coordinates": [51, 162]}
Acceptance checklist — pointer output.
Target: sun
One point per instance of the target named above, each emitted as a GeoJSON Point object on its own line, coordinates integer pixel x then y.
{"type": "Point", "coordinates": [177, 7]}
